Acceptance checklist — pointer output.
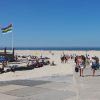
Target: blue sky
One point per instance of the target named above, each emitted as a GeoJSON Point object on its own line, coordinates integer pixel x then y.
{"type": "Point", "coordinates": [51, 23]}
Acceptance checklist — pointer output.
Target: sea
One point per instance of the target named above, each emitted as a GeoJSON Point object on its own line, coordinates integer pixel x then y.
{"type": "Point", "coordinates": [55, 48]}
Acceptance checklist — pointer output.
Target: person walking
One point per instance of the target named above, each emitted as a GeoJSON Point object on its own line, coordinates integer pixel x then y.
{"type": "Point", "coordinates": [81, 64]}
{"type": "Point", "coordinates": [95, 64]}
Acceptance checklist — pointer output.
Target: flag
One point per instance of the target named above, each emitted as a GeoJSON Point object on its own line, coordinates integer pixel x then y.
{"type": "Point", "coordinates": [7, 29]}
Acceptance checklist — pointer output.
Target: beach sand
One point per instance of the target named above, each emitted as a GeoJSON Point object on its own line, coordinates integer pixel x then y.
{"type": "Point", "coordinates": [46, 71]}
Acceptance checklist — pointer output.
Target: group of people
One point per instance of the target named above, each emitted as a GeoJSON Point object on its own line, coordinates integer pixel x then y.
{"type": "Point", "coordinates": [81, 63]}
{"type": "Point", "coordinates": [64, 58]}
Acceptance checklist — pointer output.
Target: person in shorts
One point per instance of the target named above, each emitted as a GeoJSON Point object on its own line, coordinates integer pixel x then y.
{"type": "Point", "coordinates": [81, 65]}
{"type": "Point", "coordinates": [94, 65]}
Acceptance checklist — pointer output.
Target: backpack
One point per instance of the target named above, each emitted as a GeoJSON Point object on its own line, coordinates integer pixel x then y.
{"type": "Point", "coordinates": [76, 69]}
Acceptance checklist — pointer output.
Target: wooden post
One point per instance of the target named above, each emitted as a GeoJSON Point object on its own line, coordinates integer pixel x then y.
{"type": "Point", "coordinates": [13, 53]}
{"type": "Point", "coordinates": [5, 51]}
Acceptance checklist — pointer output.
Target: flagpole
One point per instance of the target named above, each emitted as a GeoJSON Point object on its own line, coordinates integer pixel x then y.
{"type": "Point", "coordinates": [12, 41]}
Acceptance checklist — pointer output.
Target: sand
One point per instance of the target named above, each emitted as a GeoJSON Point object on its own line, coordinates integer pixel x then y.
{"type": "Point", "coordinates": [59, 69]}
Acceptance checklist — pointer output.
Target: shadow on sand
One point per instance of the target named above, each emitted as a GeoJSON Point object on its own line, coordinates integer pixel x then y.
{"type": "Point", "coordinates": [91, 75]}
{"type": "Point", "coordinates": [21, 68]}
